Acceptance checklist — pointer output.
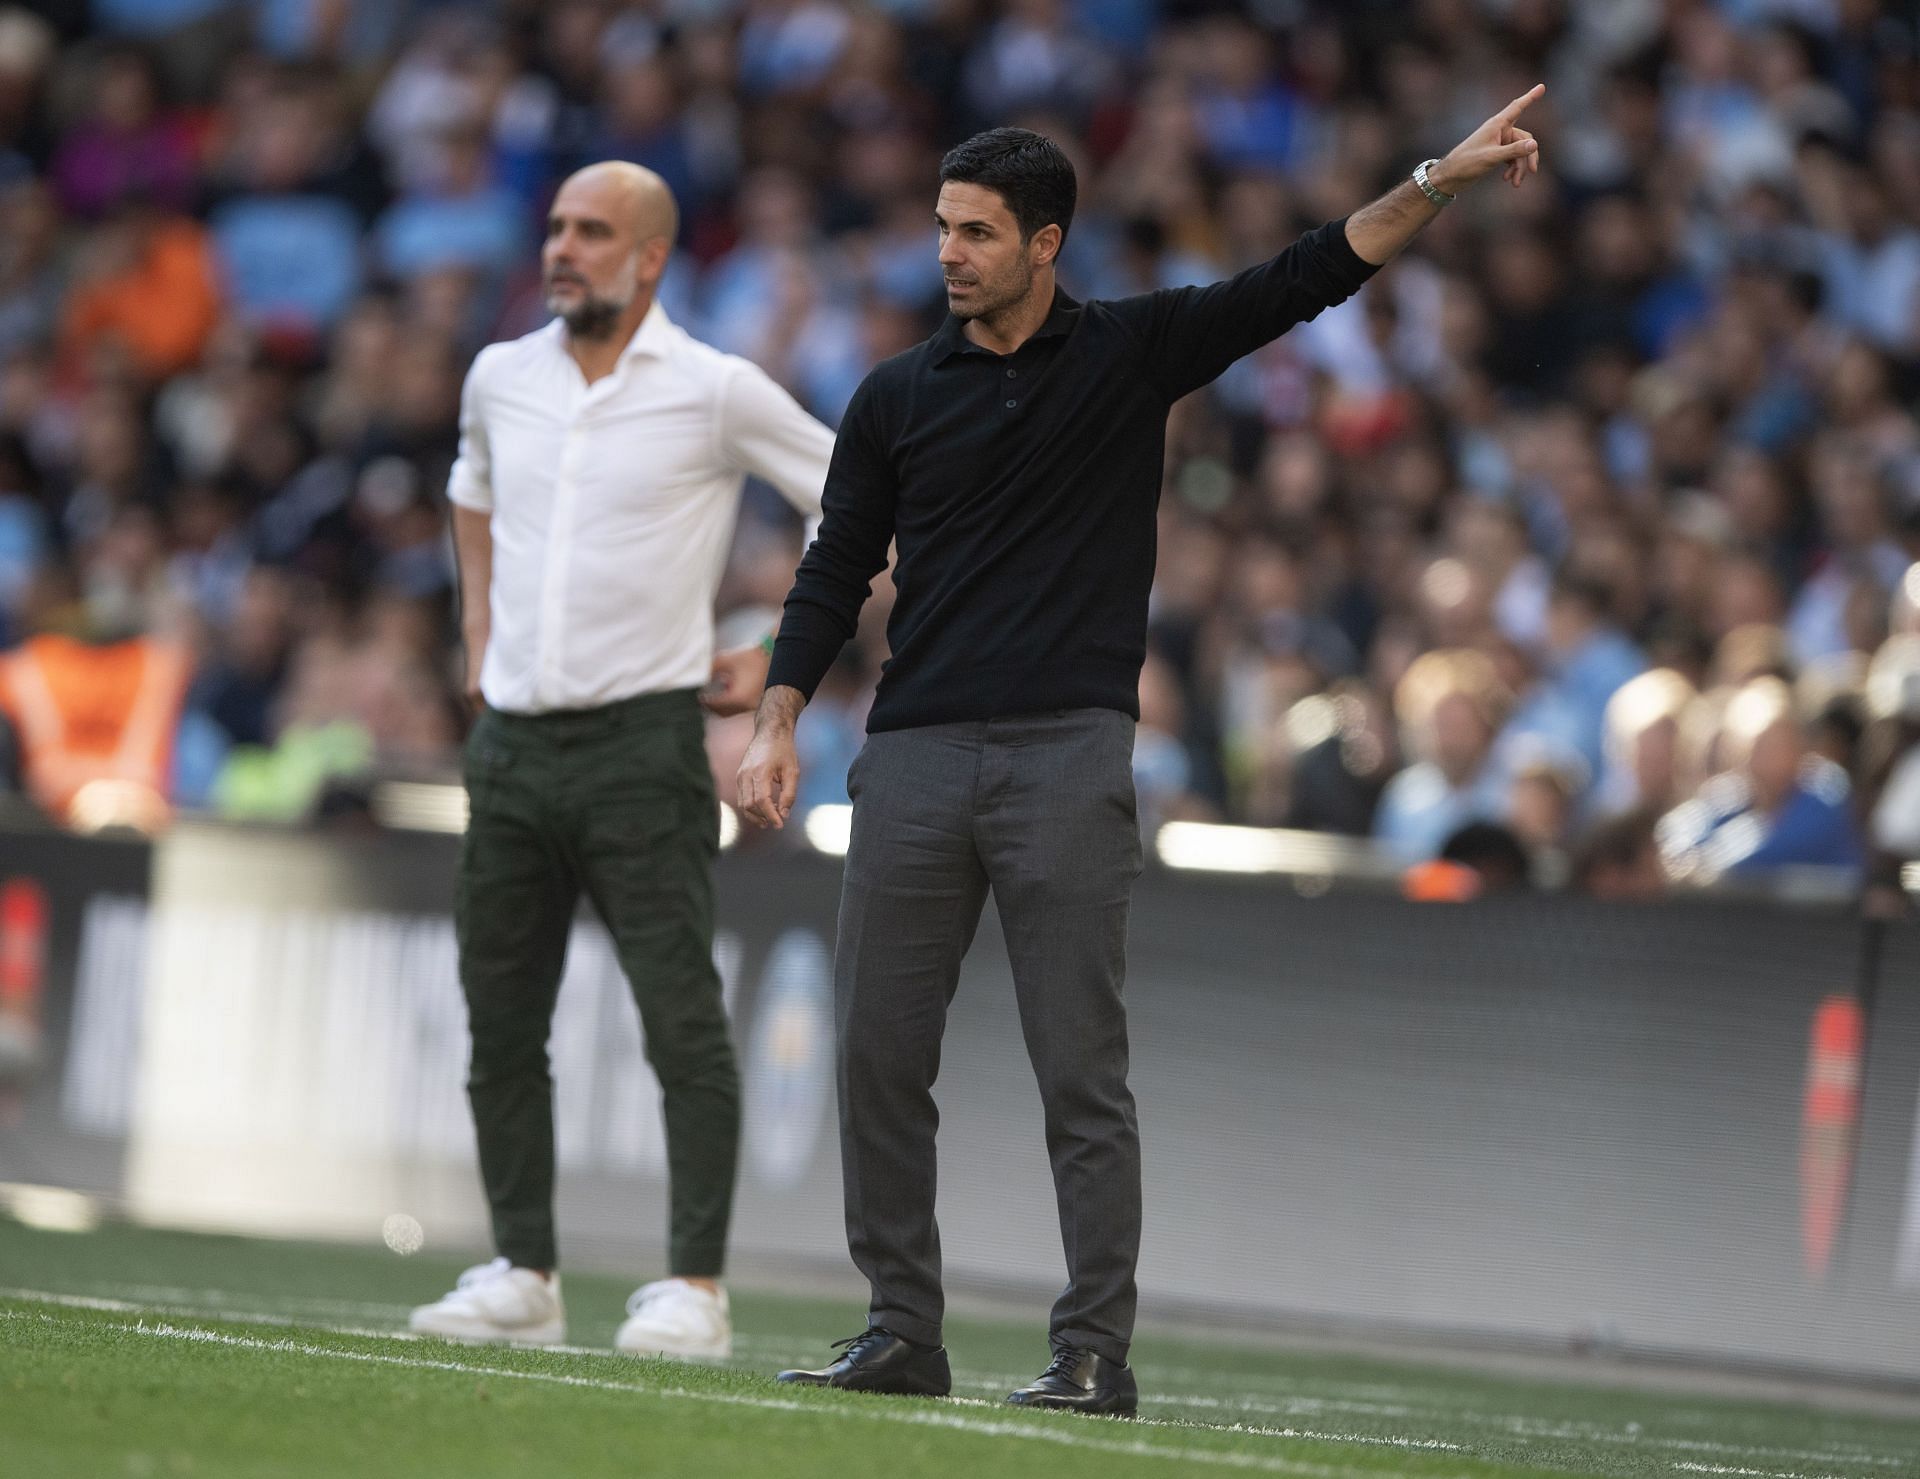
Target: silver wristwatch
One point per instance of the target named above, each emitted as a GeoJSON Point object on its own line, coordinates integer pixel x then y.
{"type": "Point", "coordinates": [1427, 188]}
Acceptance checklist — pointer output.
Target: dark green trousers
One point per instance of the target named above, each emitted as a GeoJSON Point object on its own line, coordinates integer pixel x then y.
{"type": "Point", "coordinates": [618, 802]}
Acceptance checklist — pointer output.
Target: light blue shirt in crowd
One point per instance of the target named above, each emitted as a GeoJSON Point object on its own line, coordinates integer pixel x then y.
{"type": "Point", "coordinates": [1568, 709]}
{"type": "Point", "coordinates": [289, 256]}
{"type": "Point", "coordinates": [1419, 810]}
{"type": "Point", "coordinates": [423, 233]}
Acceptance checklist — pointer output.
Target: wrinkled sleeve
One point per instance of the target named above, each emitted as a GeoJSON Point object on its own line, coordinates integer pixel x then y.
{"type": "Point", "coordinates": [1188, 336]}
{"type": "Point", "coordinates": [470, 484]}
{"type": "Point", "coordinates": [856, 529]}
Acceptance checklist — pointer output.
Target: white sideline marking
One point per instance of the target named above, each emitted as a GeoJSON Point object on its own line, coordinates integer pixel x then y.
{"type": "Point", "coordinates": [175, 1298]}
{"type": "Point", "coordinates": [114, 1306]}
{"type": "Point", "coordinates": [1527, 1428]}
{"type": "Point", "coordinates": [1062, 1435]}
{"type": "Point", "coordinates": [1587, 1432]}
{"type": "Point", "coordinates": [237, 1317]}
{"type": "Point", "coordinates": [221, 1298]}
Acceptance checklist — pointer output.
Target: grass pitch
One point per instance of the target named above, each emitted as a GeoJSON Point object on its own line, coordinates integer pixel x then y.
{"type": "Point", "coordinates": [135, 1353]}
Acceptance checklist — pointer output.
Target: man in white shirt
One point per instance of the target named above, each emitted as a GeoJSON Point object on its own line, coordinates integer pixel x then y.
{"type": "Point", "coordinates": [601, 460]}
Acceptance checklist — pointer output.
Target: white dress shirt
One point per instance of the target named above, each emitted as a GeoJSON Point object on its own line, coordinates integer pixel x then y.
{"type": "Point", "coordinates": [613, 505]}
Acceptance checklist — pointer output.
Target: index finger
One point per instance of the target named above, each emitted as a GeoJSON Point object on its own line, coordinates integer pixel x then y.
{"type": "Point", "coordinates": [1519, 105]}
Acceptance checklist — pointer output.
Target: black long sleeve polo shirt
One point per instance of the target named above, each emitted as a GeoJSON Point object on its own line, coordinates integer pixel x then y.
{"type": "Point", "coordinates": [1020, 491]}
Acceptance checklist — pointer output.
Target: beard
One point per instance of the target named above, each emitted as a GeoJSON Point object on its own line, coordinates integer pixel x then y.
{"type": "Point", "coordinates": [593, 316]}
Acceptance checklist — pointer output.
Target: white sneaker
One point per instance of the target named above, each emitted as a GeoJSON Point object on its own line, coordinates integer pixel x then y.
{"type": "Point", "coordinates": [675, 1318]}
{"type": "Point", "coordinates": [497, 1302]}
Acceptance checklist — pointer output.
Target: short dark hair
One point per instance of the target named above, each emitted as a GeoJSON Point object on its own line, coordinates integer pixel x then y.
{"type": "Point", "coordinates": [1492, 851]}
{"type": "Point", "coordinates": [1027, 170]}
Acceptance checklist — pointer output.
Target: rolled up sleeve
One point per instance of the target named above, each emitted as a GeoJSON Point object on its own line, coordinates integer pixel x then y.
{"type": "Point", "coordinates": [470, 484]}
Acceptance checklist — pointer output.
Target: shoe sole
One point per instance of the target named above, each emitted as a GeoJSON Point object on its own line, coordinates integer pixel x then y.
{"type": "Point", "coordinates": [872, 1391]}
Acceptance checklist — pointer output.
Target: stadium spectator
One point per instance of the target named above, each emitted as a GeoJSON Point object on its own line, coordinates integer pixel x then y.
{"type": "Point", "coordinates": [289, 210]}
{"type": "Point", "coordinates": [245, 662]}
{"type": "Point", "coordinates": [1497, 856]}
{"type": "Point", "coordinates": [32, 264]}
{"type": "Point", "coordinates": [145, 290]}
{"type": "Point", "coordinates": [93, 716]}
{"type": "Point", "coordinates": [1587, 660]}
{"type": "Point", "coordinates": [1643, 743]}
{"type": "Point", "coordinates": [1619, 860]}
{"type": "Point", "coordinates": [1451, 706]}
{"type": "Point", "coordinates": [1542, 803]}
{"type": "Point", "coordinates": [1848, 489]}
{"type": "Point", "coordinates": [243, 251]}
{"type": "Point", "coordinates": [126, 146]}
{"type": "Point", "coordinates": [1775, 805]}
{"type": "Point", "coordinates": [1480, 858]}
{"type": "Point", "coordinates": [1344, 752]}
{"type": "Point", "coordinates": [1890, 756]}
{"type": "Point", "coordinates": [455, 217]}
{"type": "Point", "coordinates": [317, 737]}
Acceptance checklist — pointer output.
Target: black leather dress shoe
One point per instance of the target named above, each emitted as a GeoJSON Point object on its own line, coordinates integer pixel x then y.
{"type": "Point", "coordinates": [877, 1360]}
{"type": "Point", "coordinates": [1079, 1381]}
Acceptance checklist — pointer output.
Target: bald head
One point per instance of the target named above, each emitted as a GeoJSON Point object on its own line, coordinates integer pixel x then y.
{"type": "Point", "coordinates": [609, 234]}
{"type": "Point", "coordinates": [629, 193]}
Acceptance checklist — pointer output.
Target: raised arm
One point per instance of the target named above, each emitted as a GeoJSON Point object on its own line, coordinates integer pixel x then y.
{"type": "Point", "coordinates": [1380, 231]}
{"type": "Point", "coordinates": [1188, 336]}
{"type": "Point", "coordinates": [833, 583]}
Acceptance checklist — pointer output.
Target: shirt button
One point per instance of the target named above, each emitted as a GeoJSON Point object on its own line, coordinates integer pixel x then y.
{"type": "Point", "coordinates": [1013, 374]}
{"type": "Point", "coordinates": [1012, 404]}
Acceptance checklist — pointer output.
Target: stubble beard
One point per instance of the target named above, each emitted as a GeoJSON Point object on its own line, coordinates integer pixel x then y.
{"type": "Point", "coordinates": [1015, 292]}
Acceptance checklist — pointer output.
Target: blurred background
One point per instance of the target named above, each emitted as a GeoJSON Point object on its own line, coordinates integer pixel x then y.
{"type": "Point", "coordinates": [1592, 520]}
{"type": "Point", "coordinates": [1575, 556]}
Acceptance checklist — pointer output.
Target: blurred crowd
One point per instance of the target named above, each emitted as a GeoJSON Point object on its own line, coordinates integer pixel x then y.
{"type": "Point", "coordinates": [1580, 545]}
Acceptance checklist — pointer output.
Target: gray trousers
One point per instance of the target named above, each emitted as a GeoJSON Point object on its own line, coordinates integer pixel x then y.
{"type": "Point", "coordinates": [1039, 808]}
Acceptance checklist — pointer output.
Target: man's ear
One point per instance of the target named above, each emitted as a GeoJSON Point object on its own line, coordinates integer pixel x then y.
{"type": "Point", "coordinates": [1045, 245]}
{"type": "Point", "coordinates": [653, 258]}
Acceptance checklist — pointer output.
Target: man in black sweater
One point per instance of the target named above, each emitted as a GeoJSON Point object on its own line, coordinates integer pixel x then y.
{"type": "Point", "coordinates": [1014, 461]}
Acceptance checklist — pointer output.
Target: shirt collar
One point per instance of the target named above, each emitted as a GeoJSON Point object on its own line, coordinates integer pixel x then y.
{"type": "Point", "coordinates": [651, 340]}
{"type": "Point", "coordinates": [950, 339]}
